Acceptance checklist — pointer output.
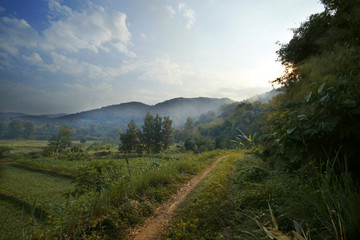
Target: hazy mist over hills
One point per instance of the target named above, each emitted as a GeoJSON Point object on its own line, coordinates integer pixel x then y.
{"type": "Point", "coordinates": [121, 114]}
{"type": "Point", "coordinates": [178, 109]}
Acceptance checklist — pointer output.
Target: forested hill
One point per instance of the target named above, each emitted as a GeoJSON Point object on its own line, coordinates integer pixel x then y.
{"type": "Point", "coordinates": [120, 115]}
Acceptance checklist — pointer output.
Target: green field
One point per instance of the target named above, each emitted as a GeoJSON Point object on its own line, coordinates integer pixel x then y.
{"type": "Point", "coordinates": [118, 191]}
{"type": "Point", "coordinates": [74, 167]}
{"type": "Point", "coordinates": [15, 223]}
{"type": "Point", "coordinates": [44, 189]}
{"type": "Point", "coordinates": [24, 145]}
{"type": "Point", "coordinates": [26, 197]}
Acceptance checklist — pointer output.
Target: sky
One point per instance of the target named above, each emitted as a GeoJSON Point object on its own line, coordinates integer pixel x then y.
{"type": "Point", "coordinates": [67, 56]}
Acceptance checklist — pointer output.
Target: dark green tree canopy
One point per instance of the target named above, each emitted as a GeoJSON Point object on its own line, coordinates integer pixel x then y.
{"type": "Point", "coordinates": [156, 135]}
{"type": "Point", "coordinates": [129, 140]}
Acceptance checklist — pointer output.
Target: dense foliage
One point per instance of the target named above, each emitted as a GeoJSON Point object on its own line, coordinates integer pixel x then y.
{"type": "Point", "coordinates": [318, 114]}
{"type": "Point", "coordinates": [155, 136]}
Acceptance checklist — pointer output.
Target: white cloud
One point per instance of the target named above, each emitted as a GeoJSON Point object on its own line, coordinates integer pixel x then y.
{"type": "Point", "coordinates": [181, 6]}
{"type": "Point", "coordinates": [143, 36]}
{"type": "Point", "coordinates": [36, 60]}
{"type": "Point", "coordinates": [164, 71]}
{"type": "Point", "coordinates": [171, 11]}
{"type": "Point", "coordinates": [76, 68]}
{"type": "Point", "coordinates": [33, 59]}
{"type": "Point", "coordinates": [17, 33]}
{"type": "Point", "coordinates": [92, 29]}
{"type": "Point", "coordinates": [188, 13]}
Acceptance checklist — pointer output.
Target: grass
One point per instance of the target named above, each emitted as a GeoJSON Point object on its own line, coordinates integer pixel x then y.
{"type": "Point", "coordinates": [31, 187]}
{"type": "Point", "coordinates": [251, 200]}
{"type": "Point", "coordinates": [126, 200]}
{"type": "Point", "coordinates": [137, 164]}
{"type": "Point", "coordinates": [15, 223]}
{"type": "Point", "coordinates": [24, 145]}
{"type": "Point", "coordinates": [215, 209]}
{"type": "Point", "coordinates": [26, 197]}
{"type": "Point", "coordinates": [203, 214]}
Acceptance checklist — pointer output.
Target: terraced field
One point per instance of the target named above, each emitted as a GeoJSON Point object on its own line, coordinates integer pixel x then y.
{"type": "Point", "coordinates": [107, 195]}
{"type": "Point", "coordinates": [26, 198]}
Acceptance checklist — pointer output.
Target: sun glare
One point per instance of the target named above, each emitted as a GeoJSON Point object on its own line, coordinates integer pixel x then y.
{"type": "Point", "coordinates": [290, 69]}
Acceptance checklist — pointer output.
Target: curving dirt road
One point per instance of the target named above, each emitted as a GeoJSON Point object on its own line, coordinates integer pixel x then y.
{"type": "Point", "coordinates": [154, 226]}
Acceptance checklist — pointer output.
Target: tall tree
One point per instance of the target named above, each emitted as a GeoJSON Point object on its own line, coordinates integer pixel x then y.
{"type": "Point", "coordinates": [148, 132]}
{"type": "Point", "coordinates": [15, 129]}
{"type": "Point", "coordinates": [157, 134]}
{"type": "Point", "coordinates": [129, 140]}
{"type": "Point", "coordinates": [166, 132]}
{"type": "Point", "coordinates": [189, 128]}
{"type": "Point", "coordinates": [58, 143]}
{"type": "Point", "coordinates": [3, 129]}
{"type": "Point", "coordinates": [28, 130]}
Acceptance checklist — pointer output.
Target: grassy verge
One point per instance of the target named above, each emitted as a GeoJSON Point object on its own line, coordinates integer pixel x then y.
{"type": "Point", "coordinates": [246, 199]}
{"type": "Point", "coordinates": [118, 200]}
{"type": "Point", "coordinates": [203, 214]}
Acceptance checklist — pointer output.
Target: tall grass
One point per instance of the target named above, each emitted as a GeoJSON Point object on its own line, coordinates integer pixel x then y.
{"type": "Point", "coordinates": [124, 202]}
{"type": "Point", "coordinates": [327, 202]}
{"type": "Point", "coordinates": [307, 204]}
{"type": "Point", "coordinates": [337, 204]}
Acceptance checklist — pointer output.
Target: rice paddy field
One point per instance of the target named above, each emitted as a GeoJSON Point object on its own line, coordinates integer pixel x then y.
{"type": "Point", "coordinates": [23, 145]}
{"type": "Point", "coordinates": [44, 196]}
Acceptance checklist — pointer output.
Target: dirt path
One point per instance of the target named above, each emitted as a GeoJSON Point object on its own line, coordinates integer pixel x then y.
{"type": "Point", "coordinates": [154, 226]}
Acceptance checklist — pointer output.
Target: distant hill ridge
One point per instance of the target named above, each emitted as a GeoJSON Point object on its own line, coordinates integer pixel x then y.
{"type": "Point", "coordinates": [121, 114]}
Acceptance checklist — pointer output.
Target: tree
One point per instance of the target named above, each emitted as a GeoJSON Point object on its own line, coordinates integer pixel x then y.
{"type": "Point", "coordinates": [58, 143]}
{"type": "Point", "coordinates": [318, 113]}
{"type": "Point", "coordinates": [156, 134]}
{"type": "Point", "coordinates": [129, 140]}
{"type": "Point", "coordinates": [189, 128]}
{"type": "Point", "coordinates": [15, 129]}
{"type": "Point", "coordinates": [28, 130]}
{"type": "Point", "coordinates": [166, 132]}
{"type": "Point", "coordinates": [3, 129]}
{"type": "Point", "coordinates": [148, 132]}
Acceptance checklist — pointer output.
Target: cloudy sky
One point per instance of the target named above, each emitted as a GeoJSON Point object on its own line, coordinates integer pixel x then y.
{"type": "Point", "coordinates": [65, 56]}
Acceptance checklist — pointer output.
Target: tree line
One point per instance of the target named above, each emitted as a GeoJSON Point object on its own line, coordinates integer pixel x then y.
{"type": "Point", "coordinates": [156, 135]}
{"type": "Point", "coordinates": [25, 130]}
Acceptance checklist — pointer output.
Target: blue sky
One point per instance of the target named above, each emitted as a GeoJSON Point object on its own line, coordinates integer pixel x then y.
{"type": "Point", "coordinates": [68, 56]}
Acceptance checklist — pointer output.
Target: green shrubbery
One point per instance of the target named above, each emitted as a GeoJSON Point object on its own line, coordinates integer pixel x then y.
{"type": "Point", "coordinates": [233, 203]}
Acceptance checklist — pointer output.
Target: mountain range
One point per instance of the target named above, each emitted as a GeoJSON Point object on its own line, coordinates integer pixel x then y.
{"type": "Point", "coordinates": [178, 109]}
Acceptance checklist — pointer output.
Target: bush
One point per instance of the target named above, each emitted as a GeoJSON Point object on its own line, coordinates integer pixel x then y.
{"type": "Point", "coordinates": [4, 152]}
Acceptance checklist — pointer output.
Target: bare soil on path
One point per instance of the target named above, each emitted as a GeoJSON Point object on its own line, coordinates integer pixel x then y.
{"type": "Point", "coordinates": [155, 225]}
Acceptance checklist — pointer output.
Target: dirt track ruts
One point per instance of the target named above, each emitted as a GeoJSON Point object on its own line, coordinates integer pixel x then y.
{"type": "Point", "coordinates": [155, 225]}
